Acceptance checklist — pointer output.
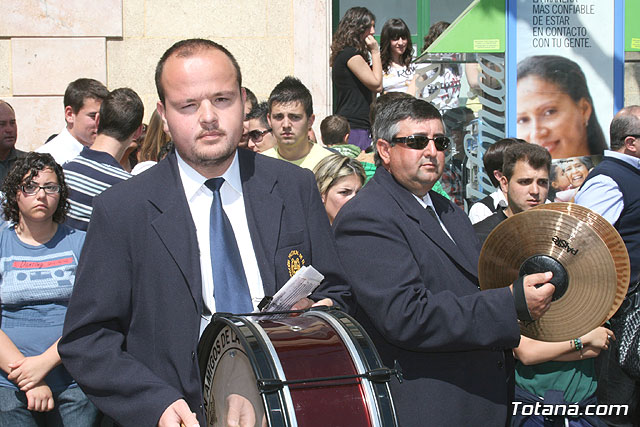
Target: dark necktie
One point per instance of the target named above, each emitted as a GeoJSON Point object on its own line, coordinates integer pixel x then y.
{"type": "Point", "coordinates": [432, 213]}
{"type": "Point", "coordinates": [230, 288]}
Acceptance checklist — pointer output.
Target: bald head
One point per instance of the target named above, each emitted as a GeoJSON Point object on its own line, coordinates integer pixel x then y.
{"type": "Point", "coordinates": [8, 129]}
{"type": "Point", "coordinates": [625, 131]}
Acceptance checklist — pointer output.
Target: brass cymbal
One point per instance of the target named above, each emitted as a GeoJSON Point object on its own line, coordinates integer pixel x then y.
{"type": "Point", "coordinates": [578, 250]}
{"type": "Point", "coordinates": [611, 238]}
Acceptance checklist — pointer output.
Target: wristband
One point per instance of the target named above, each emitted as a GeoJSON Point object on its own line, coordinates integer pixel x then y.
{"type": "Point", "coordinates": [577, 344]}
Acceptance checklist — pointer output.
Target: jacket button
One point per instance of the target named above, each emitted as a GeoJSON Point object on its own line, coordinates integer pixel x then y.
{"type": "Point", "coordinates": [193, 355]}
{"type": "Point", "coordinates": [500, 364]}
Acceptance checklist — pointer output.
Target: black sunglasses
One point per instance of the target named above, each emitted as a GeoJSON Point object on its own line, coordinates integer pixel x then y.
{"type": "Point", "coordinates": [419, 142]}
{"type": "Point", "coordinates": [256, 135]}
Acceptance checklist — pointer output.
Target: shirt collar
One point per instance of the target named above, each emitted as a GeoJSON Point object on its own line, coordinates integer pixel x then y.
{"type": "Point", "coordinates": [193, 182]}
{"type": "Point", "coordinates": [425, 201]}
{"type": "Point", "coordinates": [633, 161]}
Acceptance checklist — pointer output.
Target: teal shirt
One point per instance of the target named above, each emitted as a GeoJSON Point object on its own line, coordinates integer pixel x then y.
{"type": "Point", "coordinates": [577, 379]}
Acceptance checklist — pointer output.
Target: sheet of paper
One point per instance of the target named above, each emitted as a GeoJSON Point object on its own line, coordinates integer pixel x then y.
{"type": "Point", "coordinates": [299, 286]}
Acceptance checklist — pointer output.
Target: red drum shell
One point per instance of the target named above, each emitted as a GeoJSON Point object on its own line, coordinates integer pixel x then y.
{"type": "Point", "coordinates": [317, 344]}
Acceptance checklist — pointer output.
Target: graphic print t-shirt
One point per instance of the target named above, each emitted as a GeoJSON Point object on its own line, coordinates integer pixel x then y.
{"type": "Point", "coordinates": [35, 287]}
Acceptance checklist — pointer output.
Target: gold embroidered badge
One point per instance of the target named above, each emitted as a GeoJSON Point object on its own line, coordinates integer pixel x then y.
{"type": "Point", "coordinates": [295, 260]}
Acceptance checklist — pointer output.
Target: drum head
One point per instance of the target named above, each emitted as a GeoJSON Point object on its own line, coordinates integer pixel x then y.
{"type": "Point", "coordinates": [231, 378]}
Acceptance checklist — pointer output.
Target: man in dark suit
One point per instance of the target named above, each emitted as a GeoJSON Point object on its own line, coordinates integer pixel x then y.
{"type": "Point", "coordinates": [417, 291]}
{"type": "Point", "coordinates": [144, 286]}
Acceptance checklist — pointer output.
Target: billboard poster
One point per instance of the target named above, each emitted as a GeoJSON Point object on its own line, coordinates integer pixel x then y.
{"type": "Point", "coordinates": [565, 54]}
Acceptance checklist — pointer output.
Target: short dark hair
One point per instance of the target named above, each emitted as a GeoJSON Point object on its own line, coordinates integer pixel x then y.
{"type": "Point", "coordinates": [24, 170]}
{"type": "Point", "coordinates": [251, 97]}
{"type": "Point", "coordinates": [260, 112]}
{"type": "Point", "coordinates": [390, 113]}
{"type": "Point", "coordinates": [333, 129]}
{"type": "Point", "coordinates": [492, 158]}
{"type": "Point", "coordinates": [385, 97]}
{"type": "Point", "coordinates": [291, 89]}
{"type": "Point", "coordinates": [536, 156]}
{"type": "Point", "coordinates": [625, 123]}
{"type": "Point", "coordinates": [187, 48]}
{"type": "Point", "coordinates": [79, 90]}
{"type": "Point", "coordinates": [120, 114]}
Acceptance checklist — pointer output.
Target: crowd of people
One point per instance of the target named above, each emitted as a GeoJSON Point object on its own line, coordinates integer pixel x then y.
{"type": "Point", "coordinates": [122, 240]}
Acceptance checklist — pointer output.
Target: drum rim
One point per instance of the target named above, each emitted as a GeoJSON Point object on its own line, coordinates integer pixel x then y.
{"type": "Point", "coordinates": [250, 339]}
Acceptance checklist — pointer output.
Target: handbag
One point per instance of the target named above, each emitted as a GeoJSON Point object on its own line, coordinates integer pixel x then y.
{"type": "Point", "coordinates": [626, 325]}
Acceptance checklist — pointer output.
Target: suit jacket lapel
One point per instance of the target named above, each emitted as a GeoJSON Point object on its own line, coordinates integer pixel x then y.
{"type": "Point", "coordinates": [449, 216]}
{"type": "Point", "coordinates": [263, 207]}
{"type": "Point", "coordinates": [174, 224]}
{"type": "Point", "coordinates": [428, 224]}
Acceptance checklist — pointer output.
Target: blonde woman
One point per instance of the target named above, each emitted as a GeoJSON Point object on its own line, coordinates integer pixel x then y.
{"type": "Point", "coordinates": [339, 178]}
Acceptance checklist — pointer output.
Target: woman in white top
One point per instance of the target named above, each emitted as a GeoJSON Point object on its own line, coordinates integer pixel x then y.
{"type": "Point", "coordinates": [396, 52]}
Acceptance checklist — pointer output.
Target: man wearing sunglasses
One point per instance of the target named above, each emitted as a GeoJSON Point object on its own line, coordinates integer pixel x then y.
{"type": "Point", "coordinates": [417, 290]}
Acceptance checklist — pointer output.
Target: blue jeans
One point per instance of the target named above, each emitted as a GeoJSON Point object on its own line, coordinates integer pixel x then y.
{"type": "Point", "coordinates": [72, 409]}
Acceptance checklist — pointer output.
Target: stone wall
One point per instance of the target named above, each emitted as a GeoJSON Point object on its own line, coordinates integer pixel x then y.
{"type": "Point", "coordinates": [45, 44]}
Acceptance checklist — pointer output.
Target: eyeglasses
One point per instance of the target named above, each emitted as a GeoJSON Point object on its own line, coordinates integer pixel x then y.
{"type": "Point", "coordinates": [32, 189]}
{"type": "Point", "coordinates": [419, 142]}
{"type": "Point", "coordinates": [256, 135]}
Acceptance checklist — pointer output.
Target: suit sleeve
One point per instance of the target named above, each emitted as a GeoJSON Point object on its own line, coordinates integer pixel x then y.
{"type": "Point", "coordinates": [325, 257]}
{"type": "Point", "coordinates": [93, 347]}
{"type": "Point", "coordinates": [394, 286]}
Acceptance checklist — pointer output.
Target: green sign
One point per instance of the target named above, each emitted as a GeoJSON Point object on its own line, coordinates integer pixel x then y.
{"type": "Point", "coordinates": [480, 28]}
{"type": "Point", "coordinates": [631, 28]}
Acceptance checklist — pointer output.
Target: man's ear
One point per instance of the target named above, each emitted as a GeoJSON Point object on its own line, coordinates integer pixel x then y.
{"type": "Point", "coordinates": [138, 132]}
{"type": "Point", "coordinates": [160, 109]}
{"type": "Point", "coordinates": [311, 120]}
{"type": "Point", "coordinates": [497, 175]}
{"type": "Point", "coordinates": [346, 138]}
{"type": "Point", "coordinates": [384, 151]}
{"type": "Point", "coordinates": [69, 116]}
{"type": "Point", "coordinates": [97, 120]}
{"type": "Point", "coordinates": [630, 146]}
{"type": "Point", "coordinates": [504, 184]}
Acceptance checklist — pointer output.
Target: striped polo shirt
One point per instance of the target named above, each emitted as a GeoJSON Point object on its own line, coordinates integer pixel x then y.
{"type": "Point", "coordinates": [87, 175]}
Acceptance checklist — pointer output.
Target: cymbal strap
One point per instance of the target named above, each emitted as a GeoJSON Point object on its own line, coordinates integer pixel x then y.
{"type": "Point", "coordinates": [522, 310]}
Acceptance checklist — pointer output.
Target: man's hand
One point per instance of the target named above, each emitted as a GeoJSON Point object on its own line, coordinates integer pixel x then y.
{"type": "Point", "coordinates": [240, 412]}
{"type": "Point", "coordinates": [28, 372]}
{"type": "Point", "coordinates": [305, 303]}
{"type": "Point", "coordinates": [178, 414]}
{"type": "Point", "coordinates": [538, 299]}
{"type": "Point", "coordinates": [40, 398]}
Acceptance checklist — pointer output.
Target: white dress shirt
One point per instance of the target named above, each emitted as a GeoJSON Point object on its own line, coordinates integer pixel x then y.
{"type": "Point", "coordinates": [426, 201]}
{"type": "Point", "coordinates": [63, 147]}
{"type": "Point", "coordinates": [199, 198]}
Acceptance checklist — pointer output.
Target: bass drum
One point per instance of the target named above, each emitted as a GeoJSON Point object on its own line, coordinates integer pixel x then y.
{"type": "Point", "coordinates": [318, 368]}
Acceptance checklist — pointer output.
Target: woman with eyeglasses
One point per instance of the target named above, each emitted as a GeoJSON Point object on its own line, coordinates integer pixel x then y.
{"type": "Point", "coordinates": [38, 259]}
{"type": "Point", "coordinates": [356, 71]}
